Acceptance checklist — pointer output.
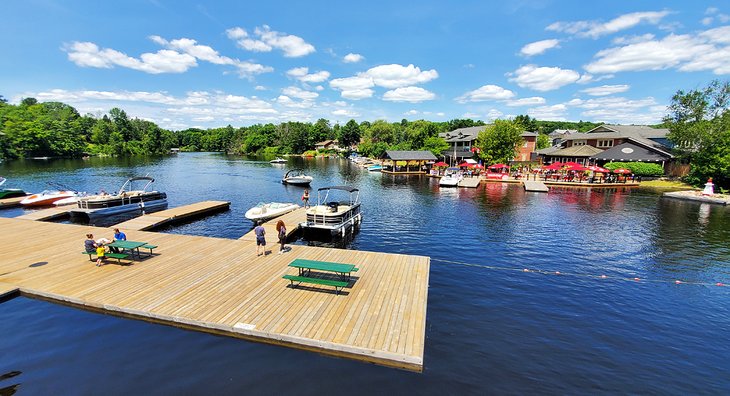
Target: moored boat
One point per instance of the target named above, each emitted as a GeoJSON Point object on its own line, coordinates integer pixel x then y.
{"type": "Point", "coordinates": [334, 216]}
{"type": "Point", "coordinates": [451, 178]}
{"type": "Point", "coordinates": [10, 192]}
{"type": "Point", "coordinates": [278, 160]}
{"type": "Point", "coordinates": [297, 177]}
{"type": "Point", "coordinates": [128, 199]}
{"type": "Point", "coordinates": [47, 197]}
{"type": "Point", "coordinates": [375, 168]}
{"type": "Point", "coordinates": [266, 211]}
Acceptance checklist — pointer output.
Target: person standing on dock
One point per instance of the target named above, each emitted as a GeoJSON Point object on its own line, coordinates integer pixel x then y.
{"type": "Point", "coordinates": [100, 252]}
{"type": "Point", "coordinates": [281, 230]}
{"type": "Point", "coordinates": [305, 198]}
{"type": "Point", "coordinates": [260, 232]}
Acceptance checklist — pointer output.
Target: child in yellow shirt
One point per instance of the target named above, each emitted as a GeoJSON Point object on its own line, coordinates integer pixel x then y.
{"type": "Point", "coordinates": [100, 251]}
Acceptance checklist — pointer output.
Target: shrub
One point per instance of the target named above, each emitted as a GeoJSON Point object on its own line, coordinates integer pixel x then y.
{"type": "Point", "coordinates": [638, 168]}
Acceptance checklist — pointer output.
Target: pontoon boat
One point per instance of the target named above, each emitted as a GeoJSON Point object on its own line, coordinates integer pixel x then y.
{"type": "Point", "coordinates": [334, 216]}
{"type": "Point", "coordinates": [126, 200]}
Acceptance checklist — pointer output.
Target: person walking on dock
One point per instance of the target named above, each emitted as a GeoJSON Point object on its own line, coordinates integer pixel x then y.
{"type": "Point", "coordinates": [281, 230]}
{"type": "Point", "coordinates": [305, 198]}
{"type": "Point", "coordinates": [260, 232]}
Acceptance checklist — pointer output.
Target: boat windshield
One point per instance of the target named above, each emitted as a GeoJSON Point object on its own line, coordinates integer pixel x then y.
{"type": "Point", "coordinates": [129, 184]}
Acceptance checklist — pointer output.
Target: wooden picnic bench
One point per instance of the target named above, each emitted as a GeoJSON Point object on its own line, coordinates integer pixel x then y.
{"type": "Point", "coordinates": [305, 268]}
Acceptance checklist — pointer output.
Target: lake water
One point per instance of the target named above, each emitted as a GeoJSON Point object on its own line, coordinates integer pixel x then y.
{"type": "Point", "coordinates": [491, 327]}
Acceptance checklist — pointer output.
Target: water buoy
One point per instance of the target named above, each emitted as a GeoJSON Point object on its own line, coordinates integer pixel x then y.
{"type": "Point", "coordinates": [678, 281]}
{"type": "Point", "coordinates": [720, 284]}
{"type": "Point", "coordinates": [603, 277]}
{"type": "Point", "coordinates": [525, 270]}
{"type": "Point", "coordinates": [637, 279]}
{"type": "Point", "coordinates": [557, 272]}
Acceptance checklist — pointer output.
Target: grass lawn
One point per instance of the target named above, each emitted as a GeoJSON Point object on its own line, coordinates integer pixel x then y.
{"type": "Point", "coordinates": [668, 184]}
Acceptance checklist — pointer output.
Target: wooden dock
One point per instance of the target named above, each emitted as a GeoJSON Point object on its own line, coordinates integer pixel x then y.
{"type": "Point", "coordinates": [10, 202]}
{"type": "Point", "coordinates": [534, 185]}
{"type": "Point", "coordinates": [470, 182]}
{"type": "Point", "coordinates": [692, 195]}
{"type": "Point", "coordinates": [291, 220]}
{"type": "Point", "coordinates": [220, 286]}
{"type": "Point", "coordinates": [158, 219]}
{"type": "Point", "coordinates": [47, 214]}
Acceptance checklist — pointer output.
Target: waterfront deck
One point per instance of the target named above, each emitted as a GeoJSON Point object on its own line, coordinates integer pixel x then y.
{"type": "Point", "coordinates": [158, 219]}
{"type": "Point", "coordinates": [291, 220]}
{"type": "Point", "coordinates": [692, 195]}
{"type": "Point", "coordinates": [533, 185]}
{"type": "Point", "coordinates": [220, 286]}
{"type": "Point", "coordinates": [52, 213]}
{"type": "Point", "coordinates": [470, 182]}
{"type": "Point", "coordinates": [10, 202]}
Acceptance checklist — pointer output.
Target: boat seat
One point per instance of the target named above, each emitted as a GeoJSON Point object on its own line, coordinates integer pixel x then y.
{"type": "Point", "coordinates": [333, 206]}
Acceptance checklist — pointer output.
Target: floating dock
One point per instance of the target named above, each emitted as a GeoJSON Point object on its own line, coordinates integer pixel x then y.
{"type": "Point", "coordinates": [158, 219]}
{"type": "Point", "coordinates": [537, 186]}
{"type": "Point", "coordinates": [10, 202]}
{"type": "Point", "coordinates": [56, 212]}
{"type": "Point", "coordinates": [291, 221]}
{"type": "Point", "coordinates": [470, 182]}
{"type": "Point", "coordinates": [691, 195]}
{"type": "Point", "coordinates": [220, 286]}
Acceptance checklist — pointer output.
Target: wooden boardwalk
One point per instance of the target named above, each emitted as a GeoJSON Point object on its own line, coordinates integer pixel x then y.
{"type": "Point", "coordinates": [10, 202]}
{"type": "Point", "coordinates": [157, 219]}
{"type": "Point", "coordinates": [534, 185]}
{"type": "Point", "coordinates": [291, 220]}
{"type": "Point", "coordinates": [470, 182]}
{"type": "Point", "coordinates": [220, 286]}
{"type": "Point", "coordinates": [693, 195]}
{"type": "Point", "coordinates": [47, 214]}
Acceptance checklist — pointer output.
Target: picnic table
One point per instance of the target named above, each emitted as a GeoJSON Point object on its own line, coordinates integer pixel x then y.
{"type": "Point", "coordinates": [305, 268]}
{"type": "Point", "coordinates": [132, 246]}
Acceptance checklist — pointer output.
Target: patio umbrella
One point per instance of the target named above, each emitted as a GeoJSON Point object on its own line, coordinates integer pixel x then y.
{"type": "Point", "coordinates": [571, 164]}
{"type": "Point", "coordinates": [622, 171]}
{"type": "Point", "coordinates": [555, 166]}
{"type": "Point", "coordinates": [598, 169]}
{"type": "Point", "coordinates": [498, 166]}
{"type": "Point", "coordinates": [477, 166]}
{"type": "Point", "coordinates": [440, 164]}
{"type": "Point", "coordinates": [463, 164]}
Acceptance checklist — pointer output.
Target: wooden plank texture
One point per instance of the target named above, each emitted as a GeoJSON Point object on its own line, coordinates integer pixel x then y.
{"type": "Point", "coordinates": [291, 220]}
{"type": "Point", "coordinates": [46, 214]}
{"type": "Point", "coordinates": [10, 202]}
{"type": "Point", "coordinates": [220, 286]}
{"type": "Point", "coordinates": [157, 219]}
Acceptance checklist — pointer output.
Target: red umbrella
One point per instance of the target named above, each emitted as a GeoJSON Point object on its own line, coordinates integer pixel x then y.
{"type": "Point", "coordinates": [477, 166]}
{"type": "Point", "coordinates": [598, 169]}
{"type": "Point", "coordinates": [622, 171]}
{"type": "Point", "coordinates": [498, 166]}
{"type": "Point", "coordinates": [440, 164]}
{"type": "Point", "coordinates": [463, 164]}
{"type": "Point", "coordinates": [555, 166]}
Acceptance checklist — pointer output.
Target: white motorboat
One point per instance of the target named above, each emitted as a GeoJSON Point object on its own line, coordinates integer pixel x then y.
{"type": "Point", "coordinates": [10, 192]}
{"type": "Point", "coordinates": [451, 178]}
{"type": "Point", "coordinates": [278, 160]}
{"type": "Point", "coordinates": [334, 216]}
{"type": "Point", "coordinates": [375, 168]}
{"type": "Point", "coordinates": [297, 177]}
{"type": "Point", "coordinates": [266, 211]}
{"type": "Point", "coordinates": [128, 199]}
{"type": "Point", "coordinates": [47, 197]}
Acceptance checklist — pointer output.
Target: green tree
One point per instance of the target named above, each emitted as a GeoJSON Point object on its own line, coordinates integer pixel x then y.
{"type": "Point", "coordinates": [699, 127]}
{"type": "Point", "coordinates": [380, 131]}
{"type": "Point", "coordinates": [349, 134]}
{"type": "Point", "coordinates": [320, 131]}
{"type": "Point", "coordinates": [499, 142]}
{"type": "Point", "coordinates": [436, 145]}
{"type": "Point", "coordinates": [530, 124]}
{"type": "Point", "coordinates": [543, 141]}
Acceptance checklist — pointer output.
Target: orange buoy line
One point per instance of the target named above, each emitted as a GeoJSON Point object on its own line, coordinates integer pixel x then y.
{"type": "Point", "coordinates": [582, 275]}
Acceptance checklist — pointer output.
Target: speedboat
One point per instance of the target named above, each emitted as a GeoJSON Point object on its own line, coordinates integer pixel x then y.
{"type": "Point", "coordinates": [375, 168]}
{"type": "Point", "coordinates": [70, 200]}
{"type": "Point", "coordinates": [47, 197]}
{"type": "Point", "coordinates": [128, 199]}
{"type": "Point", "coordinates": [297, 177]}
{"type": "Point", "coordinates": [278, 160]}
{"type": "Point", "coordinates": [334, 216]}
{"type": "Point", "coordinates": [450, 179]}
{"type": "Point", "coordinates": [10, 192]}
{"type": "Point", "coordinates": [266, 211]}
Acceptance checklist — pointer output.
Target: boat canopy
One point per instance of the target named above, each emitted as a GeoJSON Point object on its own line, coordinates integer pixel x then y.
{"type": "Point", "coordinates": [343, 188]}
{"type": "Point", "coordinates": [294, 172]}
{"type": "Point", "coordinates": [131, 180]}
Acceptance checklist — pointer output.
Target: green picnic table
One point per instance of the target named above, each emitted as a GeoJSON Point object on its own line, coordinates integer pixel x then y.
{"type": "Point", "coordinates": [305, 268]}
{"type": "Point", "coordinates": [132, 246]}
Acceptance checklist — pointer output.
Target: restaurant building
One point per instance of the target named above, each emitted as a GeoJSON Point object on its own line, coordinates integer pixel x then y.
{"type": "Point", "coordinates": [407, 162]}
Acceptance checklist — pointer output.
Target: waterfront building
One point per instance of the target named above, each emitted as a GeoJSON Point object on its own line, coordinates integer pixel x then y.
{"type": "Point", "coordinates": [407, 162]}
{"type": "Point", "coordinates": [461, 141]}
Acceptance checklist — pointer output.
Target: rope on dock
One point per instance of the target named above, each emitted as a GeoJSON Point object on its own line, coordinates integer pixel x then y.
{"type": "Point", "coordinates": [581, 275]}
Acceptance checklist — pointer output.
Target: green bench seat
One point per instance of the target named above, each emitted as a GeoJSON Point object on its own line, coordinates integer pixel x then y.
{"type": "Point", "coordinates": [150, 247]}
{"type": "Point", "coordinates": [339, 285]}
{"type": "Point", "coordinates": [118, 256]}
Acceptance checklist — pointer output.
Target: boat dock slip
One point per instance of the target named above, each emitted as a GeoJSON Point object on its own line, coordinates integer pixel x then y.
{"type": "Point", "coordinates": [55, 212]}
{"type": "Point", "coordinates": [470, 182]}
{"type": "Point", "coordinates": [291, 220]}
{"type": "Point", "coordinates": [158, 219]}
{"type": "Point", "coordinates": [10, 202]}
{"type": "Point", "coordinates": [220, 286]}
{"type": "Point", "coordinates": [532, 185]}
{"type": "Point", "coordinates": [7, 290]}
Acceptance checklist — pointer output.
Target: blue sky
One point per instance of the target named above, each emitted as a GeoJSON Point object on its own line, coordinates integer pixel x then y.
{"type": "Point", "coordinates": [208, 64]}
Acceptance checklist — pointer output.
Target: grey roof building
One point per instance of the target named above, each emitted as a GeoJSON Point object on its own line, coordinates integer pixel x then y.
{"type": "Point", "coordinates": [409, 155]}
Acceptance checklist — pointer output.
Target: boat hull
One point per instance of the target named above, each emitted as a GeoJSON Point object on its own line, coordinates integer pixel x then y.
{"type": "Point", "coordinates": [142, 206]}
{"type": "Point", "coordinates": [256, 214]}
{"type": "Point", "coordinates": [298, 181]}
{"type": "Point", "coordinates": [36, 200]}
{"type": "Point", "coordinates": [323, 218]}
{"type": "Point", "coordinates": [12, 193]}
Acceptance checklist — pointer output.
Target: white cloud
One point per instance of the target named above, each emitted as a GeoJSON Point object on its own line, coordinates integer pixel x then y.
{"type": "Point", "coordinates": [632, 39]}
{"type": "Point", "coordinates": [354, 87]}
{"type": "Point", "coordinates": [470, 115]}
{"type": "Point", "coordinates": [408, 94]}
{"type": "Point", "coordinates": [395, 75]}
{"type": "Point", "coordinates": [494, 114]}
{"type": "Point", "coordinates": [707, 20]}
{"type": "Point", "coordinates": [485, 93]}
{"type": "Point", "coordinates": [411, 112]}
{"type": "Point", "coordinates": [623, 110]}
{"type": "Point", "coordinates": [352, 58]}
{"type": "Point", "coordinates": [556, 112]}
{"type": "Point", "coordinates": [288, 102]}
{"type": "Point", "coordinates": [595, 29]}
{"type": "Point", "coordinates": [531, 101]}
{"type": "Point", "coordinates": [302, 74]}
{"type": "Point", "coordinates": [543, 78]}
{"type": "Point", "coordinates": [538, 47]}
{"type": "Point", "coordinates": [345, 113]}
{"type": "Point", "coordinates": [604, 90]}
{"type": "Point", "coordinates": [299, 93]}
{"type": "Point", "coordinates": [704, 51]}
{"type": "Point", "coordinates": [260, 88]}
{"type": "Point", "coordinates": [86, 54]}
{"type": "Point", "coordinates": [267, 39]}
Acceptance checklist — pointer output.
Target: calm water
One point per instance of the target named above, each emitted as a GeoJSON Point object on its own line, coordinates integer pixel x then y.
{"type": "Point", "coordinates": [495, 331]}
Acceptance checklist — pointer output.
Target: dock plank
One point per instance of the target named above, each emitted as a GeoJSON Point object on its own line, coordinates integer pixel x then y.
{"type": "Point", "coordinates": [10, 202]}
{"type": "Point", "coordinates": [291, 221]}
{"type": "Point", "coordinates": [47, 214]}
{"type": "Point", "coordinates": [220, 286]}
{"type": "Point", "coordinates": [158, 219]}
